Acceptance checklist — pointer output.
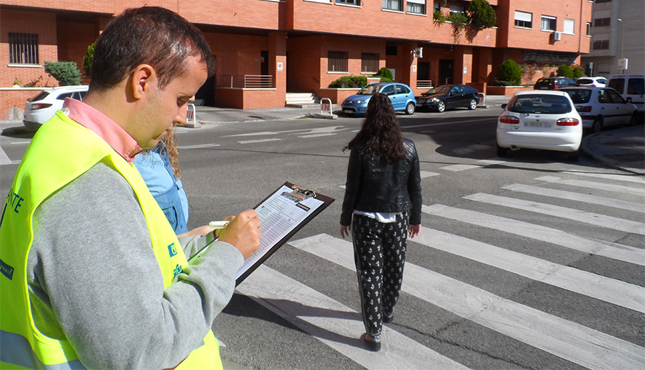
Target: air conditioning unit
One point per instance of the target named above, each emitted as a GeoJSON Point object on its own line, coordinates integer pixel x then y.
{"type": "Point", "coordinates": [418, 52]}
{"type": "Point", "coordinates": [557, 36]}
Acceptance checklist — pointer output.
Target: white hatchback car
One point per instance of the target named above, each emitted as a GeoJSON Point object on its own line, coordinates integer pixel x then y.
{"type": "Point", "coordinates": [543, 120]}
{"type": "Point", "coordinates": [43, 106]}
{"type": "Point", "coordinates": [592, 81]}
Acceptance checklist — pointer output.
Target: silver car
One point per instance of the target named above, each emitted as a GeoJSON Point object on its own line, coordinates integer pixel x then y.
{"type": "Point", "coordinates": [600, 107]}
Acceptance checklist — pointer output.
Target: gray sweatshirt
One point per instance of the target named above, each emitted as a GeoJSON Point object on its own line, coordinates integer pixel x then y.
{"type": "Point", "coordinates": [94, 279]}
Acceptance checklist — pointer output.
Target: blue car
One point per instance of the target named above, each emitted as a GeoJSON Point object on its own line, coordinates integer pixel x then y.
{"type": "Point", "coordinates": [400, 94]}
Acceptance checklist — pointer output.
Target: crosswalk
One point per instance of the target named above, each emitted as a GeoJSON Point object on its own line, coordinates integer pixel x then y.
{"type": "Point", "coordinates": [337, 325]}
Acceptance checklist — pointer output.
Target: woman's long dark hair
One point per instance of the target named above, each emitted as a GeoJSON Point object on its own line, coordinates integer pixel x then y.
{"type": "Point", "coordinates": [380, 132]}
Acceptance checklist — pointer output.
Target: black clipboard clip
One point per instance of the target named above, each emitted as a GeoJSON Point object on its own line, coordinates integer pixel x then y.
{"type": "Point", "coordinates": [302, 193]}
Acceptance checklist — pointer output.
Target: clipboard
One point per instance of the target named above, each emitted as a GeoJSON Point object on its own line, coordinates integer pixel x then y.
{"type": "Point", "coordinates": [300, 197]}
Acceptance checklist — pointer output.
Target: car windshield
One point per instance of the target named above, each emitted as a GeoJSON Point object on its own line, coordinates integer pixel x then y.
{"type": "Point", "coordinates": [443, 89]}
{"type": "Point", "coordinates": [369, 90]}
{"type": "Point", "coordinates": [579, 96]}
{"type": "Point", "coordinates": [585, 81]}
{"type": "Point", "coordinates": [544, 104]}
{"type": "Point", "coordinates": [545, 82]}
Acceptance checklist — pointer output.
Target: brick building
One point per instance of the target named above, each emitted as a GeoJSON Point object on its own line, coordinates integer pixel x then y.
{"type": "Point", "coordinates": [266, 48]}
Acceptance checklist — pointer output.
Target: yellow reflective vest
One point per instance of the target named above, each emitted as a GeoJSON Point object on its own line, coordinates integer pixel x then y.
{"type": "Point", "coordinates": [61, 151]}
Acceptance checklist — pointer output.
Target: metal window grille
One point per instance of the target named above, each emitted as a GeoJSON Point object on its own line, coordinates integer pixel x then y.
{"type": "Point", "coordinates": [369, 62]}
{"type": "Point", "coordinates": [23, 48]}
{"type": "Point", "coordinates": [337, 61]}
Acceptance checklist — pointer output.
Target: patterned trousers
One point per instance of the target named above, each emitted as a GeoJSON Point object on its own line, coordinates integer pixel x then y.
{"type": "Point", "coordinates": [379, 254]}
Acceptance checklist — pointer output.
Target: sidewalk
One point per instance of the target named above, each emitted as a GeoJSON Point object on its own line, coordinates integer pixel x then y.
{"type": "Point", "coordinates": [622, 148]}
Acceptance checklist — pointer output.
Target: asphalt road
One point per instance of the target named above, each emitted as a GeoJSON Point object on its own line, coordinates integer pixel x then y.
{"type": "Point", "coordinates": [523, 262]}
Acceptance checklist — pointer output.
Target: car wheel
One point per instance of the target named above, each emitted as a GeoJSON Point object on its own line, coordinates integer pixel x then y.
{"type": "Point", "coordinates": [634, 120]}
{"type": "Point", "coordinates": [596, 127]}
{"type": "Point", "coordinates": [409, 109]}
{"type": "Point", "coordinates": [473, 104]}
{"type": "Point", "coordinates": [501, 152]}
{"type": "Point", "coordinates": [441, 106]}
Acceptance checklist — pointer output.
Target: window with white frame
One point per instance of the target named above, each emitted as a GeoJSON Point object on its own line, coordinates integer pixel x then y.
{"type": "Point", "coordinates": [23, 48]}
{"type": "Point", "coordinates": [523, 19]}
{"type": "Point", "coordinates": [393, 5]}
{"type": "Point", "coordinates": [569, 26]}
{"type": "Point", "coordinates": [588, 28]}
{"type": "Point", "coordinates": [369, 62]}
{"type": "Point", "coordinates": [337, 61]}
{"type": "Point", "coordinates": [416, 6]}
{"type": "Point", "coordinates": [548, 23]}
{"type": "Point", "coordinates": [349, 2]}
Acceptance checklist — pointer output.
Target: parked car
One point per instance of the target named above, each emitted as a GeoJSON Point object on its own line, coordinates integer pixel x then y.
{"type": "Point", "coordinates": [400, 94]}
{"type": "Point", "coordinates": [543, 120]}
{"type": "Point", "coordinates": [592, 81]}
{"type": "Point", "coordinates": [445, 97]}
{"type": "Point", "coordinates": [630, 87]}
{"type": "Point", "coordinates": [43, 106]}
{"type": "Point", "coordinates": [554, 83]}
{"type": "Point", "coordinates": [600, 107]}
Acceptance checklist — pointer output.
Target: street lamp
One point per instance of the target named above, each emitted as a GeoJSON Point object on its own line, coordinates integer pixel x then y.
{"type": "Point", "coordinates": [622, 38]}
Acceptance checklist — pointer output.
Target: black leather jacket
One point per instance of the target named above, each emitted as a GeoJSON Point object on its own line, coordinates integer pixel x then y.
{"type": "Point", "coordinates": [374, 186]}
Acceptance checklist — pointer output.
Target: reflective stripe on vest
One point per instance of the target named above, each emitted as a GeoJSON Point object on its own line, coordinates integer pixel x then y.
{"type": "Point", "coordinates": [61, 151]}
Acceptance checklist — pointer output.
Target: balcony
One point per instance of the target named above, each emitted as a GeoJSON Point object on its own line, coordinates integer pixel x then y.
{"type": "Point", "coordinates": [245, 81]}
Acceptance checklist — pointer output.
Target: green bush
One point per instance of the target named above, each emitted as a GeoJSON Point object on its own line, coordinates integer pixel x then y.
{"type": "Point", "coordinates": [565, 71]}
{"type": "Point", "coordinates": [577, 71]}
{"type": "Point", "coordinates": [481, 14]}
{"type": "Point", "coordinates": [87, 59]}
{"type": "Point", "coordinates": [66, 73]}
{"type": "Point", "coordinates": [349, 82]}
{"type": "Point", "coordinates": [438, 16]}
{"type": "Point", "coordinates": [510, 71]}
{"type": "Point", "coordinates": [385, 74]}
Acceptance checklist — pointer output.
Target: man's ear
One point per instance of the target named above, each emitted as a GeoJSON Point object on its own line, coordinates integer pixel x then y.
{"type": "Point", "coordinates": [144, 80]}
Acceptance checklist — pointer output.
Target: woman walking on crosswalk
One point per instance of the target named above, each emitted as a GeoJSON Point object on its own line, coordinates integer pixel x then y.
{"type": "Point", "coordinates": [382, 206]}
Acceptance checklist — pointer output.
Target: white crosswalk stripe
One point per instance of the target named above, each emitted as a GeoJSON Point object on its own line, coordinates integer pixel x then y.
{"type": "Point", "coordinates": [338, 326]}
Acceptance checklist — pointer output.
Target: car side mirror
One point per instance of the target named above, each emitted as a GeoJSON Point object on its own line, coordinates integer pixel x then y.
{"type": "Point", "coordinates": [504, 106]}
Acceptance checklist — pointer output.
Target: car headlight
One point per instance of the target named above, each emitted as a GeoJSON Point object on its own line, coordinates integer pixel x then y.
{"type": "Point", "coordinates": [360, 101]}
{"type": "Point", "coordinates": [435, 100]}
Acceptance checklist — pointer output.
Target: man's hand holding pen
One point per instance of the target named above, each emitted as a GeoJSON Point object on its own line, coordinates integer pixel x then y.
{"type": "Point", "coordinates": [242, 231]}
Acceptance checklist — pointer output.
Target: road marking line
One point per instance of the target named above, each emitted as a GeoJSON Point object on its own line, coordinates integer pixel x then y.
{"type": "Point", "coordinates": [491, 161]}
{"type": "Point", "coordinates": [257, 141]}
{"type": "Point", "coordinates": [546, 234]}
{"type": "Point", "coordinates": [586, 198]}
{"type": "Point", "coordinates": [628, 178]}
{"type": "Point", "coordinates": [4, 158]}
{"type": "Point", "coordinates": [578, 281]}
{"type": "Point", "coordinates": [563, 338]}
{"type": "Point", "coordinates": [21, 142]}
{"type": "Point", "coordinates": [318, 135]}
{"type": "Point", "coordinates": [593, 185]}
{"type": "Point", "coordinates": [459, 167]}
{"type": "Point", "coordinates": [562, 212]}
{"type": "Point", "coordinates": [337, 325]}
{"type": "Point", "coordinates": [446, 123]}
{"type": "Point", "coordinates": [198, 146]}
{"type": "Point", "coordinates": [425, 174]}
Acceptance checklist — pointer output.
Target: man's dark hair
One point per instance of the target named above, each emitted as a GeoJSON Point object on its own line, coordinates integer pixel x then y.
{"type": "Point", "coordinates": [380, 132]}
{"type": "Point", "coordinates": [148, 35]}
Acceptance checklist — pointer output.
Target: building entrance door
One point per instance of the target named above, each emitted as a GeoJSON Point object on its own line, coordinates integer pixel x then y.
{"type": "Point", "coordinates": [445, 71]}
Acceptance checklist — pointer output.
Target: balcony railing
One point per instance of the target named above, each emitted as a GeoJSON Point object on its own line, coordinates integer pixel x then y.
{"type": "Point", "coordinates": [424, 84]}
{"type": "Point", "coordinates": [246, 81]}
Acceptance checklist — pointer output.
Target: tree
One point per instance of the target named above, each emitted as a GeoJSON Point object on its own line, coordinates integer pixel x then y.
{"type": "Point", "coordinates": [87, 59]}
{"type": "Point", "coordinates": [509, 71]}
{"type": "Point", "coordinates": [565, 70]}
{"type": "Point", "coordinates": [66, 73]}
{"type": "Point", "coordinates": [481, 14]}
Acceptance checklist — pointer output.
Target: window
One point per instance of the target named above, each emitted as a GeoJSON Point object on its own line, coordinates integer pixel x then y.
{"type": "Point", "coordinates": [337, 61]}
{"type": "Point", "coordinates": [369, 62]}
{"type": "Point", "coordinates": [602, 22]}
{"type": "Point", "coordinates": [569, 26]}
{"type": "Point", "coordinates": [388, 90]}
{"type": "Point", "coordinates": [601, 45]}
{"type": "Point", "coordinates": [603, 1]}
{"type": "Point", "coordinates": [349, 2]}
{"type": "Point", "coordinates": [393, 5]}
{"type": "Point", "coordinates": [457, 9]}
{"type": "Point", "coordinates": [417, 6]}
{"type": "Point", "coordinates": [636, 86]}
{"type": "Point", "coordinates": [548, 23]}
{"type": "Point", "coordinates": [523, 19]}
{"type": "Point", "coordinates": [588, 28]}
{"type": "Point", "coordinates": [23, 48]}
{"type": "Point", "coordinates": [391, 50]}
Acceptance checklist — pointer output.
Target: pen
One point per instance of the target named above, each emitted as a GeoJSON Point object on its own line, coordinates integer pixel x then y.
{"type": "Point", "coordinates": [218, 224]}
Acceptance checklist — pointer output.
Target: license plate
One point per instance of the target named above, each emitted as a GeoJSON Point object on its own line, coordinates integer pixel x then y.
{"type": "Point", "coordinates": [348, 111]}
{"type": "Point", "coordinates": [539, 124]}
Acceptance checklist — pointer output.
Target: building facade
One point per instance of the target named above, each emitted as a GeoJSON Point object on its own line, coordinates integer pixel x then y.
{"type": "Point", "coordinates": [266, 48]}
{"type": "Point", "coordinates": [617, 31]}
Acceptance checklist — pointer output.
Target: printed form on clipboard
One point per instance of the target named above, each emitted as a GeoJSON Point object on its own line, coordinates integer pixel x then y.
{"type": "Point", "coordinates": [282, 214]}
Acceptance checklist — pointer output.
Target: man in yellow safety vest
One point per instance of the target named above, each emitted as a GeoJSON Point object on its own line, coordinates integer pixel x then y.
{"type": "Point", "coordinates": [92, 274]}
